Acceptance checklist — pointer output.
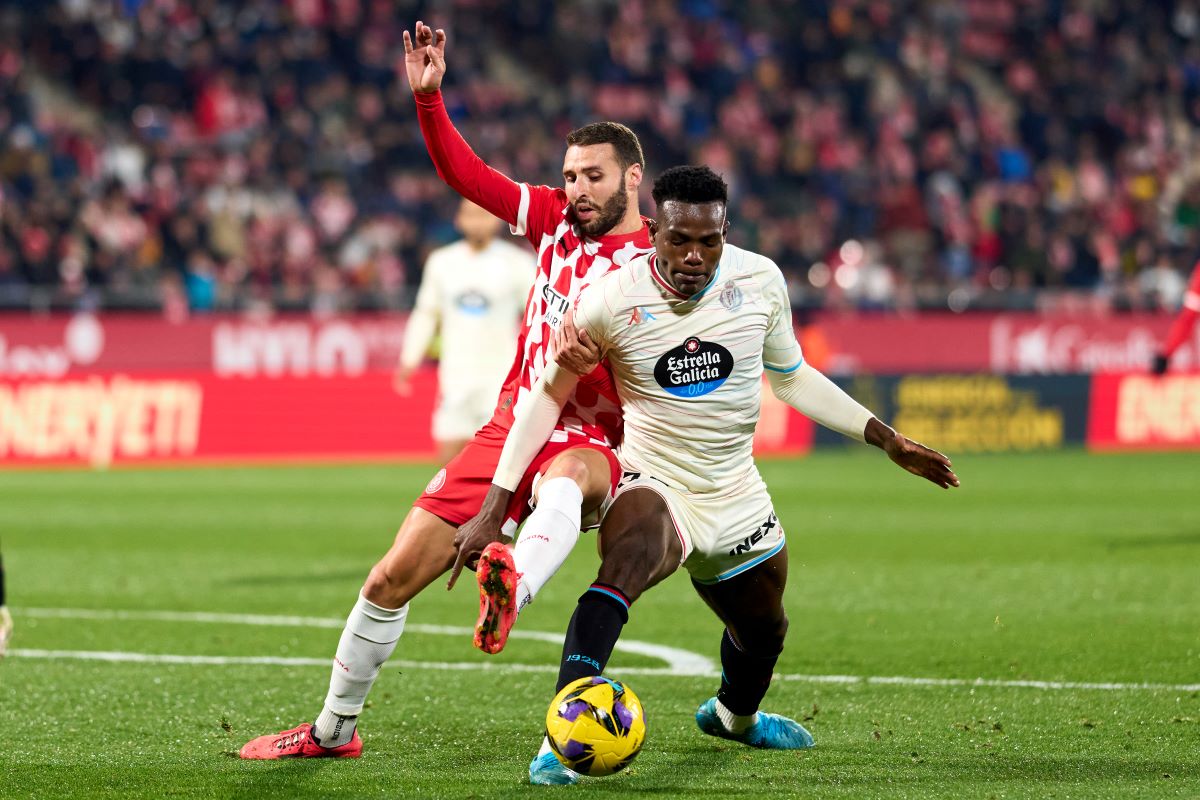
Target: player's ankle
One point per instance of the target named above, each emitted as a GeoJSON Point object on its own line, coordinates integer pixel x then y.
{"type": "Point", "coordinates": [333, 730]}
{"type": "Point", "coordinates": [734, 723]}
{"type": "Point", "coordinates": [524, 595]}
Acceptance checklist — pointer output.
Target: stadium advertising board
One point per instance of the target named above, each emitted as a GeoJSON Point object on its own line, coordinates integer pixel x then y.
{"type": "Point", "coordinates": [1018, 344]}
{"type": "Point", "coordinates": [104, 390]}
{"type": "Point", "coordinates": [55, 346]}
{"type": "Point", "coordinates": [964, 413]}
{"type": "Point", "coordinates": [1138, 411]}
{"type": "Point", "coordinates": [105, 419]}
{"type": "Point", "coordinates": [99, 420]}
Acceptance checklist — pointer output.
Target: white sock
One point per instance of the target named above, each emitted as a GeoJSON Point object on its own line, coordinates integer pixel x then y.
{"type": "Point", "coordinates": [547, 749]}
{"type": "Point", "coordinates": [548, 536]}
{"type": "Point", "coordinates": [370, 636]}
{"type": "Point", "coordinates": [545, 746]}
{"type": "Point", "coordinates": [734, 723]}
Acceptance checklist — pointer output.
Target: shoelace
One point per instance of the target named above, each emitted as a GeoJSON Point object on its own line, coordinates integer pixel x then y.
{"type": "Point", "coordinates": [291, 740]}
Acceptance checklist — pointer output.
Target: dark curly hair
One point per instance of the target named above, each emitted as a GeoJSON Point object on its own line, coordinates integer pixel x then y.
{"type": "Point", "coordinates": [690, 184]}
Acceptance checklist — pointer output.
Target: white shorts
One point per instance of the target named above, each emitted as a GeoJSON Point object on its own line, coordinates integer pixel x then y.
{"type": "Point", "coordinates": [462, 411]}
{"type": "Point", "coordinates": [722, 535]}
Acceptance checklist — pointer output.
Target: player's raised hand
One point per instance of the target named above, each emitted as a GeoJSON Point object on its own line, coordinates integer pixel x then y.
{"type": "Point", "coordinates": [574, 350]}
{"type": "Point", "coordinates": [920, 460]}
{"type": "Point", "coordinates": [425, 58]}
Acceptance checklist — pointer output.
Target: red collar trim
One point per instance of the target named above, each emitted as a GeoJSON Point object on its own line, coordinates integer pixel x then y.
{"type": "Point", "coordinates": [663, 281]}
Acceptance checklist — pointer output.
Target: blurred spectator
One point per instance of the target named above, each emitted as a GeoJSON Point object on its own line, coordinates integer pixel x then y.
{"type": "Point", "coordinates": [991, 153]}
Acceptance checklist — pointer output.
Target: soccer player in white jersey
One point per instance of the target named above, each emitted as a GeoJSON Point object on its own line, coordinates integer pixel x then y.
{"type": "Point", "coordinates": [586, 228]}
{"type": "Point", "coordinates": [474, 292]}
{"type": "Point", "coordinates": [688, 332]}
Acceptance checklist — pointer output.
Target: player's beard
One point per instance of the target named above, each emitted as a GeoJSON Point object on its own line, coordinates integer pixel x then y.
{"type": "Point", "coordinates": [608, 215]}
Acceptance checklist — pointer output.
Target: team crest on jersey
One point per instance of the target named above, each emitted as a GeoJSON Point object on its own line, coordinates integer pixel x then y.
{"type": "Point", "coordinates": [640, 315]}
{"type": "Point", "coordinates": [438, 482]}
{"type": "Point", "coordinates": [694, 368]}
{"type": "Point", "coordinates": [473, 302]}
{"type": "Point", "coordinates": [731, 296]}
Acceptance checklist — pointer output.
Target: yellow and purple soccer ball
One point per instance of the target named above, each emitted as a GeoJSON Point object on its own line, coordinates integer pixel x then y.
{"type": "Point", "coordinates": [596, 726]}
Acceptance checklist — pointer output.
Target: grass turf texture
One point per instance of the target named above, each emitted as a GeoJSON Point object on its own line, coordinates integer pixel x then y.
{"type": "Point", "coordinates": [1058, 567]}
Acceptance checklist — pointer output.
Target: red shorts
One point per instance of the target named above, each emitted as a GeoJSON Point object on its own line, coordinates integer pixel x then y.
{"type": "Point", "coordinates": [456, 493]}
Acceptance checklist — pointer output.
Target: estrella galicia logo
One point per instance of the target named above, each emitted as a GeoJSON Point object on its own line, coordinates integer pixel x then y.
{"type": "Point", "coordinates": [473, 302]}
{"type": "Point", "coordinates": [694, 368]}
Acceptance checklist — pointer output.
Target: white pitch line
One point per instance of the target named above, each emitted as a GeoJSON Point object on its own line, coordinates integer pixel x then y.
{"type": "Point", "coordinates": [489, 666]}
{"type": "Point", "coordinates": [680, 663]}
{"type": "Point", "coordinates": [117, 657]}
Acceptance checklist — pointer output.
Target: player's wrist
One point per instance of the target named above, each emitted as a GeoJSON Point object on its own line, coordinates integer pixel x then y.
{"type": "Point", "coordinates": [495, 503]}
{"type": "Point", "coordinates": [879, 435]}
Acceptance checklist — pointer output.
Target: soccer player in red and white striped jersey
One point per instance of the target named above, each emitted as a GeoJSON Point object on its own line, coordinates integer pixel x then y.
{"type": "Point", "coordinates": [1181, 326]}
{"type": "Point", "coordinates": [582, 231]}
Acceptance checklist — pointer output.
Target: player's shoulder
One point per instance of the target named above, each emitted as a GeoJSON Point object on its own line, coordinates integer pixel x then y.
{"type": "Point", "coordinates": [634, 273]}
{"type": "Point", "coordinates": [614, 286]}
{"type": "Point", "coordinates": [550, 199]}
{"type": "Point", "coordinates": [613, 282]}
{"type": "Point", "coordinates": [739, 262]}
{"type": "Point", "coordinates": [444, 254]}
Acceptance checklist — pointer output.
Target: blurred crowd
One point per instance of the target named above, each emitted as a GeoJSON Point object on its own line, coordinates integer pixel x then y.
{"type": "Point", "coordinates": [191, 155]}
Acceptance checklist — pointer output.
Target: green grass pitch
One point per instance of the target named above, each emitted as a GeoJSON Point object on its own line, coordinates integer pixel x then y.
{"type": "Point", "coordinates": [1054, 569]}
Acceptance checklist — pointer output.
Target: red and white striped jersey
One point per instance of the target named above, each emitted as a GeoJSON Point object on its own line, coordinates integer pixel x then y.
{"type": "Point", "coordinates": [566, 263]}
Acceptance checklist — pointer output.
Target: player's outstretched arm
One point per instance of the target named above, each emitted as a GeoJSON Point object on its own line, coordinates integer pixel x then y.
{"type": "Point", "coordinates": [533, 423]}
{"type": "Point", "coordinates": [821, 400]}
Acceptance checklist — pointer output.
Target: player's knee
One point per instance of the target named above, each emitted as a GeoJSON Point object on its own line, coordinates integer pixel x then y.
{"type": "Point", "coordinates": [630, 564]}
{"type": "Point", "coordinates": [385, 587]}
{"type": "Point", "coordinates": [569, 466]}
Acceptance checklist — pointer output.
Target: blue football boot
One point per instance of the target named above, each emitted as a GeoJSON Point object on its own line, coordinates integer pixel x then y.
{"type": "Point", "coordinates": [769, 731]}
{"type": "Point", "coordinates": [547, 770]}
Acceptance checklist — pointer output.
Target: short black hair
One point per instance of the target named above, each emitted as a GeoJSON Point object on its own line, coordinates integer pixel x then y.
{"type": "Point", "coordinates": [690, 184]}
{"type": "Point", "coordinates": [624, 141]}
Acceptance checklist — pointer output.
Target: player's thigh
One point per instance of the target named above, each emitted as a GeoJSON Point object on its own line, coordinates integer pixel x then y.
{"type": "Point", "coordinates": [751, 604]}
{"type": "Point", "coordinates": [639, 545]}
{"type": "Point", "coordinates": [591, 469]}
{"type": "Point", "coordinates": [423, 550]}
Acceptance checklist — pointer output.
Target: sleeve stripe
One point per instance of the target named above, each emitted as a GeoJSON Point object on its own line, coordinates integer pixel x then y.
{"type": "Point", "coordinates": [522, 212]}
{"type": "Point", "coordinates": [792, 368]}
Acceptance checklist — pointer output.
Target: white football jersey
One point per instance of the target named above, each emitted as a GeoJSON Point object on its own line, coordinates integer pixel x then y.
{"type": "Point", "coordinates": [477, 299]}
{"type": "Point", "coordinates": [689, 370]}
